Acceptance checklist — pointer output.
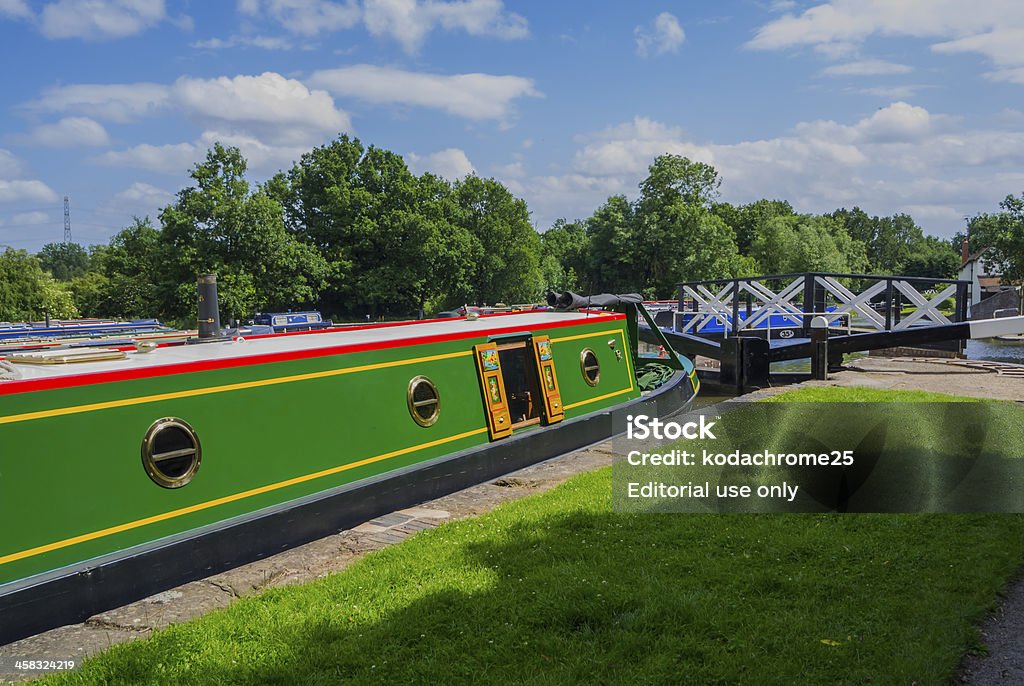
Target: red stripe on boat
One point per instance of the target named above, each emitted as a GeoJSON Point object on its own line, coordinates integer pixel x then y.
{"type": "Point", "coordinates": [26, 385]}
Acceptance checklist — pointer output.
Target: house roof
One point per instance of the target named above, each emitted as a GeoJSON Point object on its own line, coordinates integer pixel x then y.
{"type": "Point", "coordinates": [974, 257]}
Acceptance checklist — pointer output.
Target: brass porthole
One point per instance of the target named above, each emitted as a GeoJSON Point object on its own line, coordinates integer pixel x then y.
{"type": "Point", "coordinates": [171, 452]}
{"type": "Point", "coordinates": [590, 367]}
{"type": "Point", "coordinates": [424, 401]}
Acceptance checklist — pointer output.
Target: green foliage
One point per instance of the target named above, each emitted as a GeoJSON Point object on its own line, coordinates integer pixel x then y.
{"type": "Point", "coordinates": [747, 220]}
{"type": "Point", "coordinates": [1003, 234]}
{"type": "Point", "coordinates": [676, 236]}
{"type": "Point", "coordinates": [351, 230]}
{"type": "Point", "coordinates": [29, 293]}
{"type": "Point", "coordinates": [564, 255]}
{"type": "Point", "coordinates": [221, 225]}
{"type": "Point", "coordinates": [391, 240]}
{"type": "Point", "coordinates": [126, 278]}
{"type": "Point", "coordinates": [64, 261]}
{"type": "Point", "coordinates": [610, 250]}
{"type": "Point", "coordinates": [803, 243]}
{"type": "Point", "coordinates": [933, 257]}
{"type": "Point", "coordinates": [892, 242]}
{"type": "Point", "coordinates": [505, 248]}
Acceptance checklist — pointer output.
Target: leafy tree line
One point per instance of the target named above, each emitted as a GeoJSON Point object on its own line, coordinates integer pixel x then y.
{"type": "Point", "coordinates": [350, 230]}
{"type": "Point", "coordinates": [677, 230]}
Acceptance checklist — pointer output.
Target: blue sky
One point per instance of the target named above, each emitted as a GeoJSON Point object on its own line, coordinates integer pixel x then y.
{"type": "Point", "coordinates": [896, 106]}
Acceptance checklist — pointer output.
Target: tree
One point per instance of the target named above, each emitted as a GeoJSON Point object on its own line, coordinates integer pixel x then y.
{"type": "Point", "coordinates": [221, 225]}
{"type": "Point", "coordinates": [505, 248]}
{"type": "Point", "coordinates": [27, 292]}
{"type": "Point", "coordinates": [64, 261]}
{"type": "Point", "coordinates": [890, 241]}
{"type": "Point", "coordinates": [676, 236]}
{"type": "Point", "coordinates": [807, 243]}
{"type": "Point", "coordinates": [674, 177]}
{"type": "Point", "coordinates": [564, 255]}
{"type": "Point", "coordinates": [933, 257]}
{"type": "Point", "coordinates": [1003, 233]}
{"type": "Point", "coordinates": [746, 220]}
{"type": "Point", "coordinates": [325, 205]}
{"type": "Point", "coordinates": [610, 249]}
{"type": "Point", "coordinates": [127, 278]}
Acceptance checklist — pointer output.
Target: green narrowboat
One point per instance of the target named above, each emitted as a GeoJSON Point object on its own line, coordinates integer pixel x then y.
{"type": "Point", "coordinates": [125, 471]}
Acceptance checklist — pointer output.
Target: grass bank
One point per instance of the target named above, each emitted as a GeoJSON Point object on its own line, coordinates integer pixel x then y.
{"type": "Point", "coordinates": [558, 589]}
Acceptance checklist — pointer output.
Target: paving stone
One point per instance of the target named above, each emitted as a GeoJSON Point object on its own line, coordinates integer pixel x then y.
{"type": "Point", "coordinates": [169, 607]}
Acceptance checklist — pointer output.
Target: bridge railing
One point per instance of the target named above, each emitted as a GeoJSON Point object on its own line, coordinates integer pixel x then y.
{"type": "Point", "coordinates": [869, 302]}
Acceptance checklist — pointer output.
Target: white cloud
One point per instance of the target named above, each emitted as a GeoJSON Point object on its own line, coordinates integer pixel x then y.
{"type": "Point", "coordinates": [867, 68]}
{"type": "Point", "coordinates": [1002, 46]}
{"type": "Point", "coordinates": [450, 163]}
{"type": "Point", "coordinates": [276, 108]}
{"type": "Point", "coordinates": [261, 156]}
{"type": "Point", "coordinates": [10, 166]}
{"type": "Point", "coordinates": [852, 21]}
{"type": "Point", "coordinates": [15, 189]}
{"type": "Point", "coordinates": [114, 102]}
{"type": "Point", "coordinates": [474, 96]}
{"type": "Point", "coordinates": [272, 119]}
{"type": "Point", "coordinates": [1015, 75]}
{"type": "Point", "coordinates": [893, 92]}
{"type": "Point", "coordinates": [167, 159]}
{"type": "Point", "coordinates": [897, 122]}
{"type": "Point", "coordinates": [666, 35]}
{"type": "Point", "coordinates": [143, 194]}
{"type": "Point", "coordinates": [18, 9]}
{"type": "Point", "coordinates": [177, 159]}
{"type": "Point", "coordinates": [512, 170]}
{"type": "Point", "coordinates": [306, 17]}
{"type": "Point", "coordinates": [30, 218]}
{"type": "Point", "coordinates": [631, 147]}
{"type": "Point", "coordinates": [100, 19]}
{"type": "Point", "coordinates": [140, 200]}
{"type": "Point", "coordinates": [994, 28]}
{"type": "Point", "coordinates": [22, 190]}
{"type": "Point", "coordinates": [245, 41]}
{"type": "Point", "coordinates": [900, 158]}
{"type": "Point", "coordinates": [268, 104]}
{"type": "Point", "coordinates": [409, 21]}
{"type": "Point", "coordinates": [66, 133]}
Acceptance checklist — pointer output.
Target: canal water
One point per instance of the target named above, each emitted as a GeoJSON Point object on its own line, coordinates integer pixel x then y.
{"type": "Point", "coordinates": [996, 350]}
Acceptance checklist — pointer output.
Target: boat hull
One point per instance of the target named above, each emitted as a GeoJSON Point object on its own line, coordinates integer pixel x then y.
{"type": "Point", "coordinates": [293, 448]}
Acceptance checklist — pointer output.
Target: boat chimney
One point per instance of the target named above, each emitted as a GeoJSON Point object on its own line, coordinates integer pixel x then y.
{"type": "Point", "coordinates": [209, 311]}
{"type": "Point", "coordinates": [965, 252]}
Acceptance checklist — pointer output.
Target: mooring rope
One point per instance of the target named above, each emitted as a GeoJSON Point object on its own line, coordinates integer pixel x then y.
{"type": "Point", "coordinates": [8, 372]}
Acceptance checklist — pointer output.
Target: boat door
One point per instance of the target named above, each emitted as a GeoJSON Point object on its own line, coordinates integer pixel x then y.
{"type": "Point", "coordinates": [519, 383]}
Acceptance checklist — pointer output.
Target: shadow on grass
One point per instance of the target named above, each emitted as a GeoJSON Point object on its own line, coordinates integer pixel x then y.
{"type": "Point", "coordinates": [549, 596]}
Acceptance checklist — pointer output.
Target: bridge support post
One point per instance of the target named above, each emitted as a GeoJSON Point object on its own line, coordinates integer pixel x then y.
{"type": "Point", "coordinates": [745, 363]}
{"type": "Point", "coordinates": [819, 348]}
{"type": "Point", "coordinates": [730, 371]}
{"type": "Point", "coordinates": [756, 364]}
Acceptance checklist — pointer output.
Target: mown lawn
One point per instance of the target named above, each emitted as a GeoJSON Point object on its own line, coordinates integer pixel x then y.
{"type": "Point", "coordinates": [558, 589]}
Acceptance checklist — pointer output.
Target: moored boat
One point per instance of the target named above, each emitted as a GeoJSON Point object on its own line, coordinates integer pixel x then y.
{"type": "Point", "coordinates": [128, 471]}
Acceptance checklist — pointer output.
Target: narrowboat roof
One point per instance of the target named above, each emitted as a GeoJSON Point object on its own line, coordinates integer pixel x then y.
{"type": "Point", "coordinates": [115, 364]}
